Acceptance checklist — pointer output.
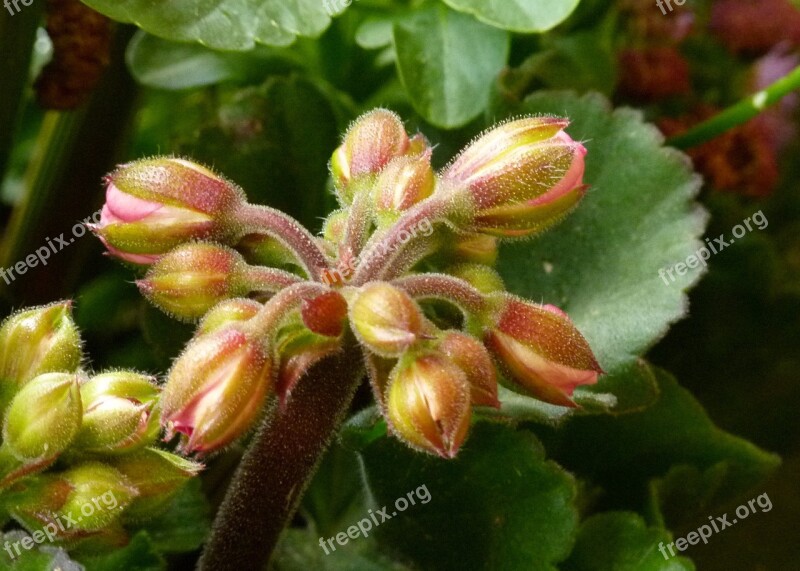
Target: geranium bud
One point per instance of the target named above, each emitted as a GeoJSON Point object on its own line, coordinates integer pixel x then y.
{"type": "Point", "coordinates": [192, 278]}
{"type": "Point", "coordinates": [35, 341]}
{"type": "Point", "coordinates": [372, 141]}
{"type": "Point", "coordinates": [228, 312]}
{"type": "Point", "coordinates": [325, 314]}
{"type": "Point", "coordinates": [474, 360]}
{"type": "Point", "coordinates": [215, 389]}
{"type": "Point", "coordinates": [298, 351]}
{"type": "Point", "coordinates": [428, 404]}
{"type": "Point", "coordinates": [334, 227]}
{"type": "Point", "coordinates": [385, 318]}
{"type": "Point", "coordinates": [118, 413]}
{"type": "Point", "coordinates": [44, 417]}
{"type": "Point", "coordinates": [153, 205]}
{"type": "Point", "coordinates": [541, 350]}
{"type": "Point", "coordinates": [99, 495]}
{"type": "Point", "coordinates": [157, 475]}
{"type": "Point", "coordinates": [265, 250]}
{"type": "Point", "coordinates": [472, 248]}
{"type": "Point", "coordinates": [483, 278]}
{"type": "Point", "coordinates": [519, 178]}
{"type": "Point", "coordinates": [403, 183]}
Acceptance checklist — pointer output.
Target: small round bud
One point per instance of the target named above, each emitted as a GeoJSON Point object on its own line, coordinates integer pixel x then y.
{"type": "Point", "coordinates": [325, 314]}
{"type": "Point", "coordinates": [98, 497]}
{"type": "Point", "coordinates": [44, 417]}
{"type": "Point", "coordinates": [474, 360]}
{"type": "Point", "coordinates": [428, 404]}
{"type": "Point", "coordinates": [228, 312]}
{"type": "Point", "coordinates": [192, 278]}
{"type": "Point", "coordinates": [385, 319]}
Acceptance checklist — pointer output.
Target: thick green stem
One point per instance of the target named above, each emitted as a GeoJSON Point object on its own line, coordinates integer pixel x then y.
{"type": "Point", "coordinates": [738, 113]}
{"type": "Point", "coordinates": [279, 464]}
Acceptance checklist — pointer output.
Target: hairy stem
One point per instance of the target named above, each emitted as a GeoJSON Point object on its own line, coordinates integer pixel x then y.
{"type": "Point", "coordinates": [739, 113]}
{"type": "Point", "coordinates": [260, 278]}
{"type": "Point", "coordinates": [289, 232]}
{"type": "Point", "coordinates": [447, 288]}
{"type": "Point", "coordinates": [279, 464]}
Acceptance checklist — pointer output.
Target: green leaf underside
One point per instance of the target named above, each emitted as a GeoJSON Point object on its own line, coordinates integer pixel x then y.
{"type": "Point", "coordinates": [221, 24]}
{"type": "Point", "coordinates": [499, 505]}
{"type": "Point", "coordinates": [517, 15]}
{"type": "Point", "coordinates": [447, 62]}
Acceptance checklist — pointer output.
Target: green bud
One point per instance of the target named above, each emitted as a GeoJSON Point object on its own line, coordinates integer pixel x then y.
{"type": "Point", "coordinates": [99, 495]}
{"type": "Point", "coordinates": [44, 417]}
{"type": "Point", "coordinates": [158, 476]}
{"type": "Point", "coordinates": [35, 341]}
{"type": "Point", "coordinates": [227, 312]}
{"type": "Point", "coordinates": [118, 413]}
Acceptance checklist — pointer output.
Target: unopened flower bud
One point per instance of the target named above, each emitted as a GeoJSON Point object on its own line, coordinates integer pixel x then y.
{"type": "Point", "coordinates": [334, 227]}
{"type": "Point", "coordinates": [265, 250]}
{"type": "Point", "coordinates": [372, 141]}
{"type": "Point", "coordinates": [118, 413]}
{"type": "Point", "coordinates": [99, 495]}
{"type": "Point", "coordinates": [153, 205]}
{"type": "Point", "coordinates": [403, 183]}
{"type": "Point", "coordinates": [215, 389]}
{"type": "Point", "coordinates": [483, 278]}
{"type": "Point", "coordinates": [44, 417]}
{"type": "Point", "coordinates": [325, 314]}
{"type": "Point", "coordinates": [385, 319]}
{"type": "Point", "coordinates": [541, 350]}
{"type": "Point", "coordinates": [520, 177]}
{"type": "Point", "coordinates": [35, 341]}
{"type": "Point", "coordinates": [428, 404]}
{"type": "Point", "coordinates": [157, 475]}
{"type": "Point", "coordinates": [471, 248]}
{"type": "Point", "coordinates": [228, 312]}
{"type": "Point", "coordinates": [192, 278]}
{"type": "Point", "coordinates": [474, 360]}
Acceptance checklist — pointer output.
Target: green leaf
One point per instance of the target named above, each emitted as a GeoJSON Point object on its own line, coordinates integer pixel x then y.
{"type": "Point", "coordinates": [601, 265]}
{"type": "Point", "coordinates": [185, 523]}
{"type": "Point", "coordinates": [299, 550]}
{"type": "Point", "coordinates": [499, 505]}
{"type": "Point", "coordinates": [162, 64]}
{"type": "Point", "coordinates": [41, 557]}
{"type": "Point", "coordinates": [621, 541]}
{"type": "Point", "coordinates": [139, 555]}
{"type": "Point", "coordinates": [221, 24]}
{"type": "Point", "coordinates": [517, 15]}
{"type": "Point", "coordinates": [447, 62]}
{"type": "Point", "coordinates": [624, 453]}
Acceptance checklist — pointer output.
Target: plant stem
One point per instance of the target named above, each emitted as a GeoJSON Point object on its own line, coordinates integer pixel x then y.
{"type": "Point", "coordinates": [261, 278]}
{"type": "Point", "coordinates": [739, 113]}
{"type": "Point", "coordinates": [279, 464]}
{"type": "Point", "coordinates": [447, 288]}
{"type": "Point", "coordinates": [289, 232]}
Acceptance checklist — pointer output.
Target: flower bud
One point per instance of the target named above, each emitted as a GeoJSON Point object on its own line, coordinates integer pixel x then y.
{"type": "Point", "coordinates": [335, 224]}
{"type": "Point", "coordinates": [118, 413]}
{"type": "Point", "coordinates": [385, 319]}
{"type": "Point", "coordinates": [228, 312]}
{"type": "Point", "coordinates": [192, 278]}
{"type": "Point", "coordinates": [153, 205]}
{"type": "Point", "coordinates": [215, 389]}
{"type": "Point", "coordinates": [404, 182]}
{"type": "Point", "coordinates": [99, 495]}
{"type": "Point", "coordinates": [541, 351]}
{"type": "Point", "coordinates": [483, 278]}
{"type": "Point", "coordinates": [469, 355]}
{"type": "Point", "coordinates": [157, 475]}
{"type": "Point", "coordinates": [371, 142]}
{"type": "Point", "coordinates": [35, 341]}
{"type": "Point", "coordinates": [471, 248]}
{"type": "Point", "coordinates": [325, 314]}
{"type": "Point", "coordinates": [265, 250]}
{"type": "Point", "coordinates": [44, 417]}
{"type": "Point", "coordinates": [520, 177]}
{"type": "Point", "coordinates": [428, 404]}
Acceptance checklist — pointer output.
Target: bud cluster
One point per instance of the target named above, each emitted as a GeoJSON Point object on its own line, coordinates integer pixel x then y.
{"type": "Point", "coordinates": [437, 327]}
{"type": "Point", "coordinates": [71, 439]}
